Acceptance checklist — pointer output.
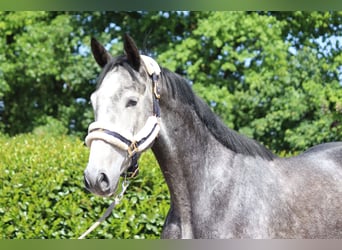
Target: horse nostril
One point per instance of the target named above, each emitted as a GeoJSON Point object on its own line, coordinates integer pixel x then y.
{"type": "Point", "coordinates": [103, 182]}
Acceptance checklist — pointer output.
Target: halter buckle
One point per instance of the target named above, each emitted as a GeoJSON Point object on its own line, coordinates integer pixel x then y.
{"type": "Point", "coordinates": [132, 149]}
{"type": "Point", "coordinates": [156, 89]}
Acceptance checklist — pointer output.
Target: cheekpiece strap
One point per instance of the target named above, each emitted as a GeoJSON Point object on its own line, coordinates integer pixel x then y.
{"type": "Point", "coordinates": [153, 70]}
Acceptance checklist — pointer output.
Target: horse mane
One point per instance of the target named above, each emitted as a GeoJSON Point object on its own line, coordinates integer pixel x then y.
{"type": "Point", "coordinates": [178, 88]}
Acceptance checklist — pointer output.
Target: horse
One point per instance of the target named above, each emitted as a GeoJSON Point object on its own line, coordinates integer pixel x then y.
{"type": "Point", "coordinates": [221, 183]}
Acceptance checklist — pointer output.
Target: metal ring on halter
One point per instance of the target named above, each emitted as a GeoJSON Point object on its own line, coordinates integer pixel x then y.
{"type": "Point", "coordinates": [133, 149]}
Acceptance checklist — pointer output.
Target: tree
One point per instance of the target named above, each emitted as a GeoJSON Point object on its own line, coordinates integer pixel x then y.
{"type": "Point", "coordinates": [265, 76]}
{"type": "Point", "coordinates": [274, 76]}
{"type": "Point", "coordinates": [46, 67]}
{"type": "Point", "coordinates": [37, 68]}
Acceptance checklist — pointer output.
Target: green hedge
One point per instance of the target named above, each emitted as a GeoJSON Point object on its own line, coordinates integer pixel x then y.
{"type": "Point", "coordinates": [42, 193]}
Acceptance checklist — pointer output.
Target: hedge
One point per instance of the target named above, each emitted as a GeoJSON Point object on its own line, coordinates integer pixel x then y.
{"type": "Point", "coordinates": [42, 194]}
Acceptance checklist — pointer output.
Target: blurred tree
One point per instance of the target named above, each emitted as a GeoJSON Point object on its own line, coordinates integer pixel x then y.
{"type": "Point", "coordinates": [268, 75]}
{"type": "Point", "coordinates": [274, 76]}
{"type": "Point", "coordinates": [41, 71]}
{"type": "Point", "coordinates": [45, 65]}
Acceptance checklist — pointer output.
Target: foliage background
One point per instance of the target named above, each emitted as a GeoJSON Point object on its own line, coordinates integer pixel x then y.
{"type": "Point", "coordinates": [273, 76]}
{"type": "Point", "coordinates": [42, 194]}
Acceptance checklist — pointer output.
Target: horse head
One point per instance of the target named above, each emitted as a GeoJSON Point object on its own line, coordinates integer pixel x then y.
{"type": "Point", "coordinates": [126, 110]}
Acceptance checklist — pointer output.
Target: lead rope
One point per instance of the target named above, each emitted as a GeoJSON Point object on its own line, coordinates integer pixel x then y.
{"type": "Point", "coordinates": [116, 201]}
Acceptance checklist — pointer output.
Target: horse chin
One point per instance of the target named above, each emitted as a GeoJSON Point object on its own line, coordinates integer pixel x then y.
{"type": "Point", "coordinates": [109, 192]}
{"type": "Point", "coordinates": [103, 183]}
{"type": "Point", "coordinates": [113, 189]}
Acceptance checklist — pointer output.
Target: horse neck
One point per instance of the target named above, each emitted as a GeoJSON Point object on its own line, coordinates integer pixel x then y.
{"type": "Point", "coordinates": [184, 150]}
{"type": "Point", "coordinates": [184, 143]}
{"type": "Point", "coordinates": [183, 140]}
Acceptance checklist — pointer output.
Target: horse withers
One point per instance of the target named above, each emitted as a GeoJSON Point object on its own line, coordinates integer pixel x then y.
{"type": "Point", "coordinates": [221, 184]}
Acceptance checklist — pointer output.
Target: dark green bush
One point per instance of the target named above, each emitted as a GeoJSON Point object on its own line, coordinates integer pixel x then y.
{"type": "Point", "coordinates": [42, 194]}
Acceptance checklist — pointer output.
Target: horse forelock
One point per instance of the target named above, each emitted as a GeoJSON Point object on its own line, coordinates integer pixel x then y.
{"type": "Point", "coordinates": [112, 64]}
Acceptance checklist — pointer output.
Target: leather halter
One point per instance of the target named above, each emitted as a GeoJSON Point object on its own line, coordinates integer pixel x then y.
{"type": "Point", "coordinates": [133, 144]}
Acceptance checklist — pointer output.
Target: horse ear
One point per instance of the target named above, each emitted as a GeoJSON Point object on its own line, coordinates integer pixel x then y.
{"type": "Point", "coordinates": [132, 52]}
{"type": "Point", "coordinates": [101, 55]}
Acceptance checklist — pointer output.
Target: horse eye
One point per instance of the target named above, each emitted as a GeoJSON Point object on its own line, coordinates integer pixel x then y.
{"type": "Point", "coordinates": [131, 103]}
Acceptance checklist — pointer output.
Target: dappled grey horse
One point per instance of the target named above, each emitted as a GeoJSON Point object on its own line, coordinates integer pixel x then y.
{"type": "Point", "coordinates": [222, 184]}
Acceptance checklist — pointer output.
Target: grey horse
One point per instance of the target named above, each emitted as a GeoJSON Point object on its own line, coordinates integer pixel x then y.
{"type": "Point", "coordinates": [221, 184]}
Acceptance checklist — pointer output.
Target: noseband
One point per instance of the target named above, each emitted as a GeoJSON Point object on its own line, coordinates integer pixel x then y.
{"type": "Point", "coordinates": [133, 144]}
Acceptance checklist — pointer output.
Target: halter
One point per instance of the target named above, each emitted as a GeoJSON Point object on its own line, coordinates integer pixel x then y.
{"type": "Point", "coordinates": [133, 144]}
